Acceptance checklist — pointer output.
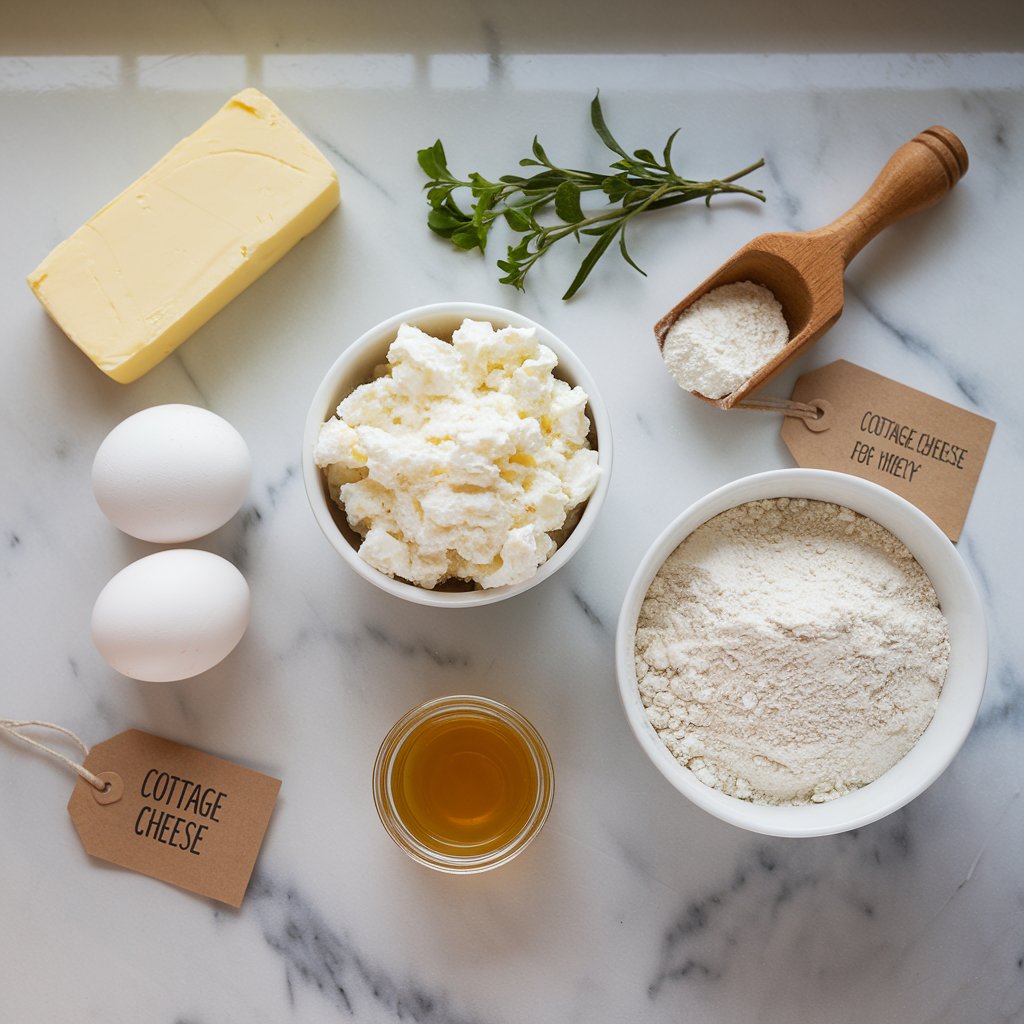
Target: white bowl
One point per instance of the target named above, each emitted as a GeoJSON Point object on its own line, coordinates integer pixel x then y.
{"type": "Point", "coordinates": [355, 366]}
{"type": "Point", "coordinates": [958, 702]}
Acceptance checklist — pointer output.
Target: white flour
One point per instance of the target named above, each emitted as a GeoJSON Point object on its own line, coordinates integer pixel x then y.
{"type": "Point", "coordinates": [790, 651]}
{"type": "Point", "coordinates": [724, 338]}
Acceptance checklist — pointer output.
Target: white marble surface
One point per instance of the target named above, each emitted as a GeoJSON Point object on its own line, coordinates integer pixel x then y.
{"type": "Point", "coordinates": [632, 904]}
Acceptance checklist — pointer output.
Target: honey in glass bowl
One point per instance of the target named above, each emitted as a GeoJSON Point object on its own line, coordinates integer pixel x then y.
{"type": "Point", "coordinates": [463, 783]}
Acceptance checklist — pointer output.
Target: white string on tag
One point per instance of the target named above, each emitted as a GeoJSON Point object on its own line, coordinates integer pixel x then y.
{"type": "Point", "coordinates": [12, 727]}
{"type": "Point", "coordinates": [802, 410]}
{"type": "Point", "coordinates": [817, 414]}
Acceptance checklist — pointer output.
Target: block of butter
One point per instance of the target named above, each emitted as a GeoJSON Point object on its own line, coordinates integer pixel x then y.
{"type": "Point", "coordinates": [180, 243]}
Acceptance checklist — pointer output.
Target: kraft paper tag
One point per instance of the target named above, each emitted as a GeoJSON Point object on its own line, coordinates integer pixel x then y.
{"type": "Point", "coordinates": [924, 449]}
{"type": "Point", "coordinates": [174, 813]}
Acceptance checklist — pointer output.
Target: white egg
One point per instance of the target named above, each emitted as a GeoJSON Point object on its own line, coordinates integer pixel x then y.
{"type": "Point", "coordinates": [171, 615]}
{"type": "Point", "coordinates": [171, 473]}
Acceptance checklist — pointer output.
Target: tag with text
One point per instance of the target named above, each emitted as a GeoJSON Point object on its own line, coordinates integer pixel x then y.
{"type": "Point", "coordinates": [924, 449]}
{"type": "Point", "coordinates": [174, 813]}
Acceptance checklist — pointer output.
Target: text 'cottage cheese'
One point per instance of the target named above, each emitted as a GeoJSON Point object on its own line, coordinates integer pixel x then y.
{"type": "Point", "coordinates": [462, 459]}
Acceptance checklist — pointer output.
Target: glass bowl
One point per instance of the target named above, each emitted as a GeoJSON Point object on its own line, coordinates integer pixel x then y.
{"type": "Point", "coordinates": [496, 787]}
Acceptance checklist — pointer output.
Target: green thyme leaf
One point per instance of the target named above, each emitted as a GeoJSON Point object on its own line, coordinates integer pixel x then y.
{"type": "Point", "coordinates": [567, 203]}
{"type": "Point", "coordinates": [597, 251]}
{"type": "Point", "coordinates": [597, 120]}
{"type": "Point", "coordinates": [516, 219]}
{"type": "Point", "coordinates": [468, 237]}
{"type": "Point", "coordinates": [432, 161]}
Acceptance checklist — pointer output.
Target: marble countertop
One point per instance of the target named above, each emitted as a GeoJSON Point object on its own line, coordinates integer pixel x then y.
{"type": "Point", "coordinates": [632, 904]}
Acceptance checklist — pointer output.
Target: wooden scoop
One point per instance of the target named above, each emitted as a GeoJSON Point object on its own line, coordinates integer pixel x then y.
{"type": "Point", "coordinates": [804, 269]}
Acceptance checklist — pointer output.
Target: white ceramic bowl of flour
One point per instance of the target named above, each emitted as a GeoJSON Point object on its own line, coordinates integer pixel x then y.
{"type": "Point", "coordinates": [961, 692]}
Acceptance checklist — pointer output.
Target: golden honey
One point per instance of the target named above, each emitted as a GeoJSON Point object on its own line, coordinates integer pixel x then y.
{"type": "Point", "coordinates": [463, 783]}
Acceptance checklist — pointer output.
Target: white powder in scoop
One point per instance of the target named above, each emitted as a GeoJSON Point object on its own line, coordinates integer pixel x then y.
{"type": "Point", "coordinates": [790, 651]}
{"type": "Point", "coordinates": [724, 338]}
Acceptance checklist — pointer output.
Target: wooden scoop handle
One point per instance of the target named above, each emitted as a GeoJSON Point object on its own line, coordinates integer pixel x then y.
{"type": "Point", "coordinates": [917, 176]}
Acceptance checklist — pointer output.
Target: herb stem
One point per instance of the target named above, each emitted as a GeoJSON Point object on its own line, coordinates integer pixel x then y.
{"type": "Point", "coordinates": [757, 165]}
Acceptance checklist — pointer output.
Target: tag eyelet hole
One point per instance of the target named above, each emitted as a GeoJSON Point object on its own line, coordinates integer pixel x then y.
{"type": "Point", "coordinates": [113, 788]}
{"type": "Point", "coordinates": [824, 418]}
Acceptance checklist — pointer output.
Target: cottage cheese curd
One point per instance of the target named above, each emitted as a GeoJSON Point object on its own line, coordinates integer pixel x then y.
{"type": "Point", "coordinates": [462, 459]}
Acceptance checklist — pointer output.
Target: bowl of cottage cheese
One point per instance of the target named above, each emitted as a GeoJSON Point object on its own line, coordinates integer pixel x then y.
{"type": "Point", "coordinates": [456, 454]}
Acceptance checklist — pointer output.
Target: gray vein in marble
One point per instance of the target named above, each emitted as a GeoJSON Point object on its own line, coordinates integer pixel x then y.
{"type": "Point", "coordinates": [104, 709]}
{"type": "Point", "coordinates": [699, 943]}
{"type": "Point", "coordinates": [185, 709]}
{"type": "Point", "coordinates": [986, 842]}
{"type": "Point", "coordinates": [316, 954]}
{"type": "Point", "coordinates": [790, 204]}
{"type": "Point", "coordinates": [592, 617]}
{"type": "Point", "coordinates": [929, 925]}
{"type": "Point", "coordinates": [968, 385]}
{"type": "Point", "coordinates": [180, 360]}
{"type": "Point", "coordinates": [644, 425]}
{"type": "Point", "coordinates": [325, 143]}
{"type": "Point", "coordinates": [352, 641]}
{"type": "Point", "coordinates": [1004, 689]}
{"type": "Point", "coordinates": [251, 516]}
{"type": "Point", "coordinates": [273, 490]}
{"type": "Point", "coordinates": [866, 908]}
{"type": "Point", "coordinates": [1004, 704]}
{"type": "Point", "coordinates": [899, 834]}
{"type": "Point", "coordinates": [999, 129]}
{"type": "Point", "coordinates": [443, 659]}
{"type": "Point", "coordinates": [826, 112]}
{"type": "Point", "coordinates": [246, 521]}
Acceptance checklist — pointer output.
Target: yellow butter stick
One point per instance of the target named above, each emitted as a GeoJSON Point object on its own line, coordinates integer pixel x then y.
{"type": "Point", "coordinates": [223, 206]}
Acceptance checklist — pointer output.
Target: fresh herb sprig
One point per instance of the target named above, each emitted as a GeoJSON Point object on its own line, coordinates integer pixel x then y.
{"type": "Point", "coordinates": [638, 183]}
